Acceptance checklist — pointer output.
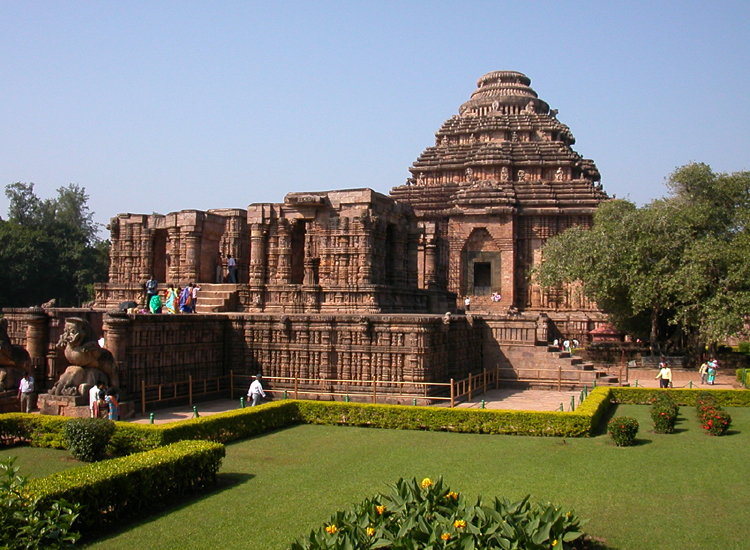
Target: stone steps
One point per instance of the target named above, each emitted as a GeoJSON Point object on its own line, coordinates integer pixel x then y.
{"type": "Point", "coordinates": [216, 298]}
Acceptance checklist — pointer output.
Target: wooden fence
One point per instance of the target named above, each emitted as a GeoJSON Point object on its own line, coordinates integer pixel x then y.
{"type": "Point", "coordinates": [450, 393]}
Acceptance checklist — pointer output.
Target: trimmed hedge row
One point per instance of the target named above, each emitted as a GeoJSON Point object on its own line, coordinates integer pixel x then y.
{"type": "Point", "coordinates": [129, 438]}
{"type": "Point", "coordinates": [645, 396]}
{"type": "Point", "coordinates": [242, 423]}
{"type": "Point", "coordinates": [129, 486]}
{"type": "Point", "coordinates": [558, 424]}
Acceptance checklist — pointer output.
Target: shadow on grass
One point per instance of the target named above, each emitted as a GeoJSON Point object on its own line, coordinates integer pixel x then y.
{"type": "Point", "coordinates": [601, 428]}
{"type": "Point", "coordinates": [224, 482]}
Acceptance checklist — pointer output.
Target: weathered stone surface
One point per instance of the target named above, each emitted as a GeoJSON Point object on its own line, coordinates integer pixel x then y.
{"type": "Point", "coordinates": [355, 284]}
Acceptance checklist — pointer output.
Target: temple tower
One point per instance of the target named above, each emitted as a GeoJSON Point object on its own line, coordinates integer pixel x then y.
{"type": "Point", "coordinates": [500, 180]}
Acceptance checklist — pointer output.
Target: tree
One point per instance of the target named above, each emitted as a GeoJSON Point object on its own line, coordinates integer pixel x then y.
{"type": "Point", "coordinates": [674, 271]}
{"type": "Point", "coordinates": [50, 248]}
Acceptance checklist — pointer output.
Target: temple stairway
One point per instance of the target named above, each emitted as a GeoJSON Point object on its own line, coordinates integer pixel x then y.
{"type": "Point", "coordinates": [216, 298]}
{"type": "Point", "coordinates": [539, 367]}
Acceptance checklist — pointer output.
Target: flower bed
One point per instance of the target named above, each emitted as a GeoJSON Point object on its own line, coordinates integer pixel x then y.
{"type": "Point", "coordinates": [426, 515]}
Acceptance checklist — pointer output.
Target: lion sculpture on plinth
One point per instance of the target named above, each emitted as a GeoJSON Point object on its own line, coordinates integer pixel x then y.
{"type": "Point", "coordinates": [89, 363]}
{"type": "Point", "coordinates": [13, 360]}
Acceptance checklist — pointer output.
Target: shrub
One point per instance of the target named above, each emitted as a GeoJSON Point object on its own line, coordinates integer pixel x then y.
{"type": "Point", "coordinates": [713, 418]}
{"type": "Point", "coordinates": [25, 523]}
{"type": "Point", "coordinates": [128, 486]}
{"type": "Point", "coordinates": [744, 347]}
{"type": "Point", "coordinates": [87, 438]}
{"type": "Point", "coordinates": [716, 422]}
{"type": "Point", "coordinates": [664, 413]}
{"type": "Point", "coordinates": [429, 515]}
{"type": "Point", "coordinates": [623, 430]}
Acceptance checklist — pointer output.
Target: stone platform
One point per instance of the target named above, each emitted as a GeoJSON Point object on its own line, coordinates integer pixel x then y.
{"type": "Point", "coordinates": [75, 406]}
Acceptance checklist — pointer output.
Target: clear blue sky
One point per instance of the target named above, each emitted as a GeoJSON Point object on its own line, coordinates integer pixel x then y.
{"type": "Point", "coordinates": [162, 106]}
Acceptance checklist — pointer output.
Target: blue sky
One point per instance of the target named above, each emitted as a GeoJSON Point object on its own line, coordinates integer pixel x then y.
{"type": "Point", "coordinates": [163, 106]}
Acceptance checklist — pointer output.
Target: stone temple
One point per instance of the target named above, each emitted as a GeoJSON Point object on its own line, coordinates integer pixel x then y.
{"type": "Point", "coordinates": [355, 284]}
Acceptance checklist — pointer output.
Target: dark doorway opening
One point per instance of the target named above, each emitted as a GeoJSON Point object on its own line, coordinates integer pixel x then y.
{"type": "Point", "coordinates": [482, 278]}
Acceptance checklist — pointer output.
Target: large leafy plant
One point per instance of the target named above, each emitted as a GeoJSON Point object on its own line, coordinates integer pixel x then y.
{"type": "Point", "coordinates": [427, 515]}
{"type": "Point", "coordinates": [26, 524]}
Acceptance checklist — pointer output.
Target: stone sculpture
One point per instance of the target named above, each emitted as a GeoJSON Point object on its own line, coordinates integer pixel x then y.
{"type": "Point", "coordinates": [13, 360]}
{"type": "Point", "coordinates": [90, 363]}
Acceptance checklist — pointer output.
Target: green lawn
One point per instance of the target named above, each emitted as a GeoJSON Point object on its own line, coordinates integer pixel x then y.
{"type": "Point", "coordinates": [686, 490]}
{"type": "Point", "coordinates": [39, 462]}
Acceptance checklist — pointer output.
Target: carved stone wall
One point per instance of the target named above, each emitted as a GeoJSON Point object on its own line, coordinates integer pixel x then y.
{"type": "Point", "coordinates": [505, 165]}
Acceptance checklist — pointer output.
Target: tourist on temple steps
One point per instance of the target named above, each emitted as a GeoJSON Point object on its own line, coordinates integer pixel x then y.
{"type": "Point", "coordinates": [467, 303]}
{"type": "Point", "coordinates": [186, 299]}
{"type": "Point", "coordinates": [172, 298]}
{"type": "Point", "coordinates": [151, 289]}
{"type": "Point", "coordinates": [196, 288]}
{"type": "Point", "coordinates": [154, 304]}
{"type": "Point", "coordinates": [232, 265]}
{"type": "Point", "coordinates": [665, 374]}
{"type": "Point", "coordinates": [255, 392]}
{"type": "Point", "coordinates": [26, 392]}
{"type": "Point", "coordinates": [218, 264]}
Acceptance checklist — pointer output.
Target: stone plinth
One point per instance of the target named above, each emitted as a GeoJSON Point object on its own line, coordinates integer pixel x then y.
{"type": "Point", "coordinates": [75, 406]}
{"type": "Point", "coordinates": [63, 405]}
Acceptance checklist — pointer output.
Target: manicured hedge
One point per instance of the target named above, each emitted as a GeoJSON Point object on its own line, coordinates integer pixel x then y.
{"type": "Point", "coordinates": [129, 486]}
{"type": "Point", "coordinates": [645, 396]}
{"type": "Point", "coordinates": [242, 423]}
{"type": "Point", "coordinates": [559, 424]}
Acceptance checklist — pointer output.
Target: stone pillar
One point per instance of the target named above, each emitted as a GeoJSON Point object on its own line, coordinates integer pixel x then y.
{"type": "Point", "coordinates": [430, 262]}
{"type": "Point", "coordinates": [173, 251]}
{"type": "Point", "coordinates": [36, 344]}
{"type": "Point", "coordinates": [191, 264]}
{"type": "Point", "coordinates": [147, 253]}
{"type": "Point", "coordinates": [116, 325]}
{"type": "Point", "coordinates": [257, 271]}
{"type": "Point", "coordinates": [284, 271]}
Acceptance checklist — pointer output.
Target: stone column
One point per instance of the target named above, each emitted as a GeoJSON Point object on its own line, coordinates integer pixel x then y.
{"type": "Point", "coordinates": [257, 272]}
{"type": "Point", "coordinates": [173, 250]}
{"type": "Point", "coordinates": [191, 264]}
{"type": "Point", "coordinates": [116, 325]}
{"type": "Point", "coordinates": [430, 262]}
{"type": "Point", "coordinates": [36, 344]}
{"type": "Point", "coordinates": [284, 271]}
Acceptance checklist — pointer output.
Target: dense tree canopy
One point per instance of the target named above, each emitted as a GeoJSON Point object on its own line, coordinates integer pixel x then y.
{"type": "Point", "coordinates": [675, 271]}
{"type": "Point", "coordinates": [49, 248]}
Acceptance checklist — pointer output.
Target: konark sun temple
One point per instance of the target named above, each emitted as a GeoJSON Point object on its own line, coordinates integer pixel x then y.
{"type": "Point", "coordinates": [337, 288]}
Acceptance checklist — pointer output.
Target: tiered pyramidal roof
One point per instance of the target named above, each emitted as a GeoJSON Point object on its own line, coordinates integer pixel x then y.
{"type": "Point", "coordinates": [504, 151]}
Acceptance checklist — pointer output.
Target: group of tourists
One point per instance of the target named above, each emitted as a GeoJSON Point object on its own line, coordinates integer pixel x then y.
{"type": "Point", "coordinates": [104, 402]}
{"type": "Point", "coordinates": [708, 371]}
{"type": "Point", "coordinates": [176, 300]}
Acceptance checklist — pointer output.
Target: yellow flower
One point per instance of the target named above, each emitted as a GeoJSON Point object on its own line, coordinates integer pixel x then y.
{"type": "Point", "coordinates": [459, 524]}
{"type": "Point", "coordinates": [445, 536]}
{"type": "Point", "coordinates": [554, 543]}
{"type": "Point", "coordinates": [370, 532]}
{"type": "Point", "coordinates": [452, 495]}
{"type": "Point", "coordinates": [380, 509]}
{"type": "Point", "coordinates": [426, 482]}
{"type": "Point", "coordinates": [332, 529]}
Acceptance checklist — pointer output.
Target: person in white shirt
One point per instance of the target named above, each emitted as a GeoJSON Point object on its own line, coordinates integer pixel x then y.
{"type": "Point", "coordinates": [232, 265]}
{"type": "Point", "coordinates": [196, 288]}
{"type": "Point", "coordinates": [255, 392]}
{"type": "Point", "coordinates": [26, 392]}
{"type": "Point", "coordinates": [94, 400]}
